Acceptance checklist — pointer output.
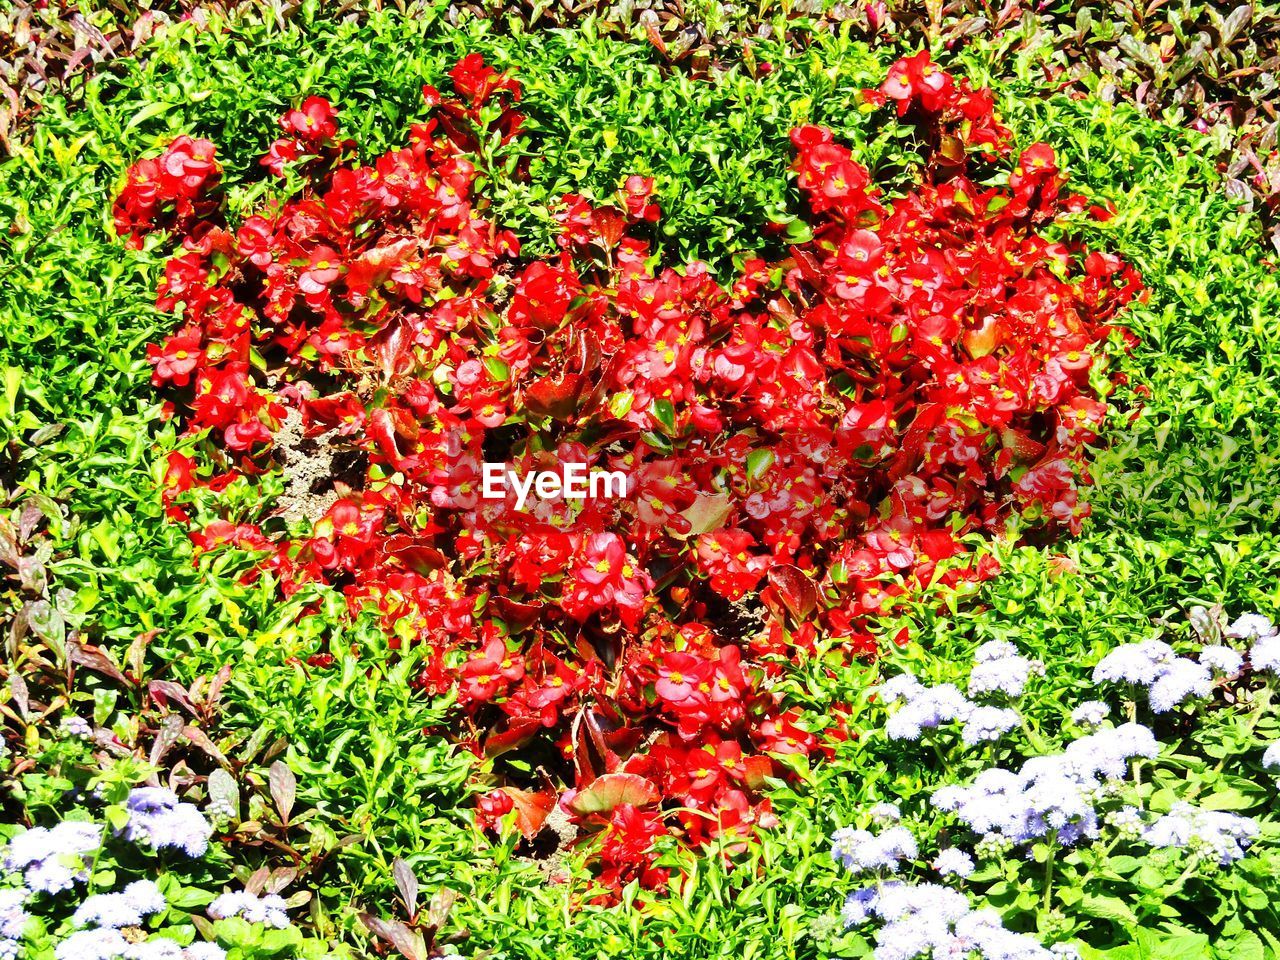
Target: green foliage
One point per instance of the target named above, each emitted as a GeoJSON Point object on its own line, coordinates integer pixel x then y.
{"type": "Point", "coordinates": [1185, 511]}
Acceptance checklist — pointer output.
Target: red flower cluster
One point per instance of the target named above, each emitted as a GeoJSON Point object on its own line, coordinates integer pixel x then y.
{"type": "Point", "coordinates": [803, 449]}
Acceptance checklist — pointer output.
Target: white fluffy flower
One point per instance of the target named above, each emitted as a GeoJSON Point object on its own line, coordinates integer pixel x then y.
{"type": "Point", "coordinates": [986, 724]}
{"type": "Point", "coordinates": [953, 862]}
{"type": "Point", "coordinates": [1223, 836]}
{"type": "Point", "coordinates": [1139, 663]}
{"type": "Point", "coordinates": [1251, 626]}
{"type": "Point", "coordinates": [1265, 654]}
{"type": "Point", "coordinates": [1271, 758]}
{"type": "Point", "coordinates": [1181, 680]}
{"type": "Point", "coordinates": [269, 909]}
{"type": "Point", "coordinates": [1222, 659]}
{"type": "Point", "coordinates": [858, 850]}
{"type": "Point", "coordinates": [1090, 714]}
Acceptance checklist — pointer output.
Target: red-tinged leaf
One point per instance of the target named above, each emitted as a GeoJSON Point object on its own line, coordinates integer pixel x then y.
{"type": "Point", "coordinates": [409, 944]}
{"type": "Point", "coordinates": [613, 790]}
{"type": "Point", "coordinates": [165, 691]}
{"type": "Point", "coordinates": [168, 734]}
{"type": "Point", "coordinates": [983, 340]}
{"type": "Point", "coordinates": [219, 681]}
{"type": "Point", "coordinates": [284, 788]}
{"type": "Point", "coordinates": [514, 732]}
{"type": "Point", "coordinates": [610, 224]}
{"type": "Point", "coordinates": [794, 589]}
{"type": "Point", "coordinates": [532, 807]}
{"type": "Point", "coordinates": [927, 418]}
{"type": "Point", "coordinates": [554, 398]}
{"type": "Point", "coordinates": [654, 35]}
{"type": "Point", "coordinates": [392, 347]}
{"type": "Point", "coordinates": [137, 651]}
{"type": "Point", "coordinates": [407, 884]}
{"type": "Point", "coordinates": [810, 269]}
{"type": "Point", "coordinates": [1024, 449]}
{"type": "Point", "coordinates": [757, 768]}
{"type": "Point", "coordinates": [514, 614]}
{"type": "Point", "coordinates": [440, 906]}
{"type": "Point", "coordinates": [201, 739]}
{"type": "Point", "coordinates": [97, 660]}
{"type": "Point", "coordinates": [592, 757]}
{"type": "Point", "coordinates": [708, 512]}
{"type": "Point", "coordinates": [414, 554]}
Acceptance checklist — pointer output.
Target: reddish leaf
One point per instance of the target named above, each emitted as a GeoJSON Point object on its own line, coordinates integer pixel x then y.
{"type": "Point", "coordinates": [612, 790]}
{"type": "Point", "coordinates": [758, 767]}
{"type": "Point", "coordinates": [795, 589]}
{"type": "Point", "coordinates": [532, 808]}
{"type": "Point", "coordinates": [163, 691]}
{"type": "Point", "coordinates": [97, 660]}
{"type": "Point", "coordinates": [557, 399]}
{"type": "Point", "coordinates": [415, 555]}
{"type": "Point", "coordinates": [511, 734]}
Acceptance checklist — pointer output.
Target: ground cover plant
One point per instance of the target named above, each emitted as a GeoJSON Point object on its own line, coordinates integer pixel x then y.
{"type": "Point", "coordinates": [255, 686]}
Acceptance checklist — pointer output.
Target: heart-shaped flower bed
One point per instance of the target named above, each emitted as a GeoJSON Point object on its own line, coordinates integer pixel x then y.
{"type": "Point", "coordinates": [795, 453]}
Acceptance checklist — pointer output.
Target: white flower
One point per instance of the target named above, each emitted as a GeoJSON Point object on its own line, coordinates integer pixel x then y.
{"type": "Point", "coordinates": [1224, 836]}
{"type": "Point", "coordinates": [989, 723]}
{"type": "Point", "coordinates": [953, 862]}
{"type": "Point", "coordinates": [1265, 654]}
{"type": "Point", "coordinates": [1251, 626]}
{"type": "Point", "coordinates": [1090, 714]}
{"type": "Point", "coordinates": [1222, 659]}
{"type": "Point", "coordinates": [1271, 758]}
{"type": "Point", "coordinates": [1139, 663]}
{"type": "Point", "coordinates": [858, 850]}
{"type": "Point", "coordinates": [1182, 679]}
{"type": "Point", "coordinates": [269, 909]}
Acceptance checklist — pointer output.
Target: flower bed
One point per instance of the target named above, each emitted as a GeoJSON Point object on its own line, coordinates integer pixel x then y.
{"type": "Point", "coordinates": [920, 483]}
{"type": "Point", "coordinates": [829, 427]}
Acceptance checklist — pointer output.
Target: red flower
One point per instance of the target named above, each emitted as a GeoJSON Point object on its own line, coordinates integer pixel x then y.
{"type": "Point", "coordinates": [917, 79]}
{"type": "Point", "coordinates": [176, 360]}
{"type": "Point", "coordinates": [315, 121]}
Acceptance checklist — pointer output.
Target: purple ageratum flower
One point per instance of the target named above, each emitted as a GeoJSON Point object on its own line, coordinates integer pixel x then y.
{"type": "Point", "coordinates": [1222, 659]}
{"type": "Point", "coordinates": [51, 860]}
{"type": "Point", "coordinates": [1224, 836]}
{"type": "Point", "coordinates": [1137, 663]}
{"type": "Point", "coordinates": [858, 850]}
{"type": "Point", "coordinates": [953, 862]}
{"type": "Point", "coordinates": [1090, 714]}
{"type": "Point", "coordinates": [157, 817]}
{"type": "Point", "coordinates": [1181, 680]}
{"type": "Point", "coordinates": [1265, 654]}
{"type": "Point", "coordinates": [986, 724]}
{"type": "Point", "coordinates": [1251, 626]}
{"type": "Point", "coordinates": [885, 813]}
{"type": "Point", "coordinates": [935, 921]}
{"type": "Point", "coordinates": [103, 944]}
{"type": "Point", "coordinates": [927, 707]}
{"type": "Point", "coordinates": [902, 687]}
{"type": "Point", "coordinates": [1054, 793]}
{"type": "Point", "coordinates": [859, 906]}
{"type": "Point", "coordinates": [999, 668]}
{"type": "Point", "coordinates": [269, 909]}
{"type": "Point", "coordinates": [1170, 679]}
{"type": "Point", "coordinates": [125, 909]}
{"type": "Point", "coordinates": [13, 918]}
{"type": "Point", "coordinates": [204, 951]}
{"type": "Point", "coordinates": [74, 726]}
{"type": "Point", "coordinates": [1271, 757]}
